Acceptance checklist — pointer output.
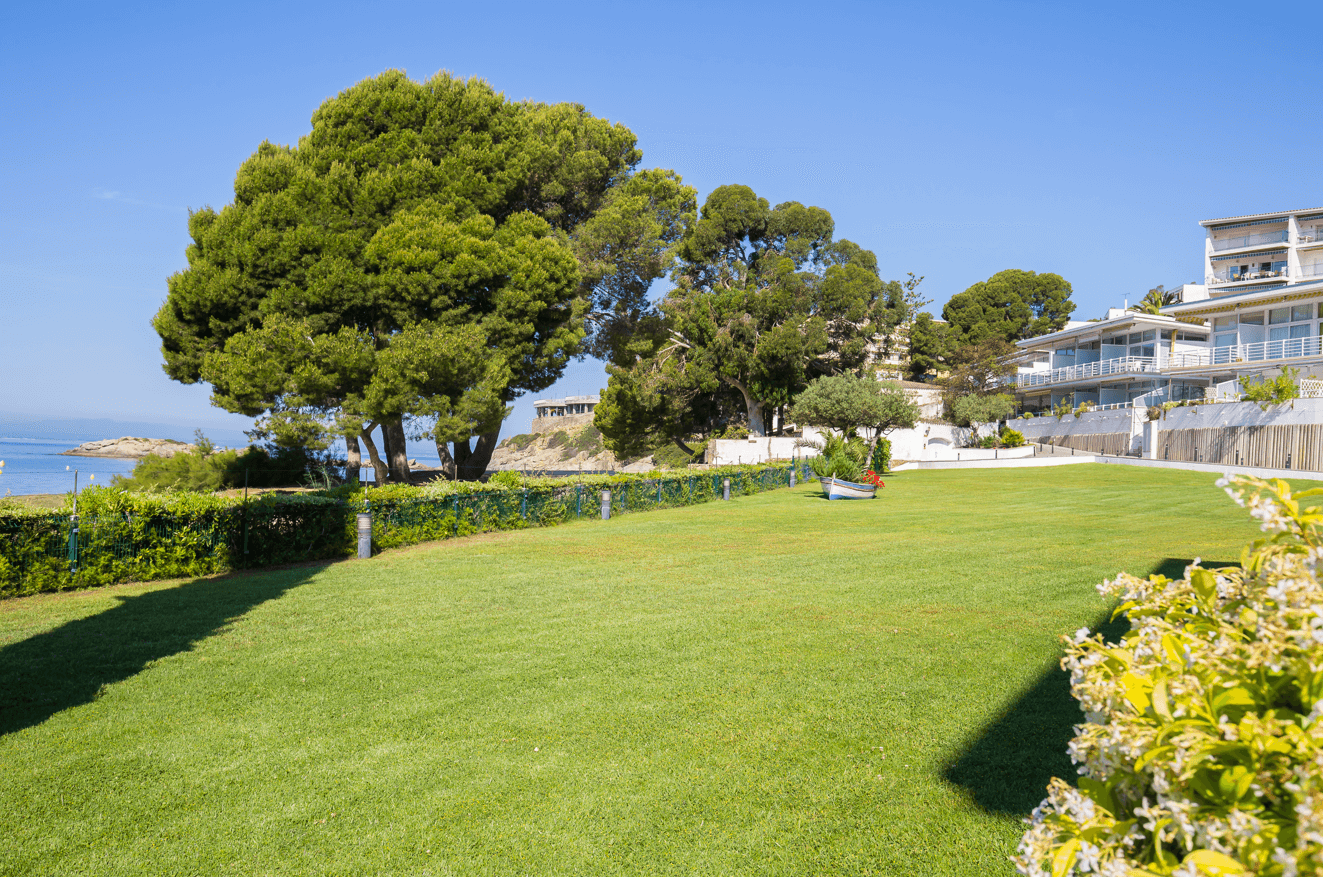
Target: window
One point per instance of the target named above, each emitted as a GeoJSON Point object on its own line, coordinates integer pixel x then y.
{"type": "Point", "coordinates": [1166, 334]}
{"type": "Point", "coordinates": [1251, 319]}
{"type": "Point", "coordinates": [1223, 323]}
{"type": "Point", "coordinates": [1302, 312]}
{"type": "Point", "coordinates": [1279, 315]}
{"type": "Point", "coordinates": [1135, 337]}
{"type": "Point", "coordinates": [1227, 340]}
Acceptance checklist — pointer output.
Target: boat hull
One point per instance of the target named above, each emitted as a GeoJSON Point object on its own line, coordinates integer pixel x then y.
{"type": "Point", "coordinates": [835, 488]}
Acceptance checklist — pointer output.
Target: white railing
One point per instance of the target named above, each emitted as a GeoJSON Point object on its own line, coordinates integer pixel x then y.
{"type": "Point", "coordinates": [1250, 240]}
{"type": "Point", "coordinates": [1286, 348]}
{"type": "Point", "coordinates": [1118, 366]}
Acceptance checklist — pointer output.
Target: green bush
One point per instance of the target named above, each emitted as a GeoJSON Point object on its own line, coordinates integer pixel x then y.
{"type": "Point", "coordinates": [520, 441]}
{"type": "Point", "coordinates": [669, 455]}
{"type": "Point", "coordinates": [840, 458]}
{"type": "Point", "coordinates": [1203, 749]}
{"type": "Point", "coordinates": [205, 469]}
{"type": "Point", "coordinates": [1282, 388]}
{"type": "Point", "coordinates": [559, 438]}
{"type": "Point", "coordinates": [1011, 438]}
{"type": "Point", "coordinates": [587, 441]}
{"type": "Point", "coordinates": [881, 461]}
{"type": "Point", "coordinates": [506, 478]}
{"type": "Point", "coordinates": [127, 536]}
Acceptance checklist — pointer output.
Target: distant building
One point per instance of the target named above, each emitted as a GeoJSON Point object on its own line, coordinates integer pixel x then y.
{"type": "Point", "coordinates": [568, 413]}
{"type": "Point", "coordinates": [566, 407]}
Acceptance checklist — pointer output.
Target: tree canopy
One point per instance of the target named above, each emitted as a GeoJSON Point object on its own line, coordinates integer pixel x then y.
{"type": "Point", "coordinates": [1011, 305]}
{"type": "Point", "coordinates": [848, 402]}
{"type": "Point", "coordinates": [764, 300]}
{"type": "Point", "coordinates": [425, 254]}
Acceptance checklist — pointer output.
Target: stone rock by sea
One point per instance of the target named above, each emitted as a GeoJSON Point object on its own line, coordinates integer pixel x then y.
{"type": "Point", "coordinates": [130, 448]}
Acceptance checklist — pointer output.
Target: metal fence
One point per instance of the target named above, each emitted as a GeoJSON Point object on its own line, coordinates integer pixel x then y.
{"type": "Point", "coordinates": [53, 552]}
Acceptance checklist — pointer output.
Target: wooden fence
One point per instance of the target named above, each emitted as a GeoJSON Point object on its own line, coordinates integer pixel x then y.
{"type": "Point", "coordinates": [1298, 446]}
{"type": "Point", "coordinates": [1114, 444]}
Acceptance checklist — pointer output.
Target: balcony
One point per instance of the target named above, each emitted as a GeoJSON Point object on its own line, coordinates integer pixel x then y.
{"type": "Point", "coordinates": [1263, 351]}
{"type": "Point", "coordinates": [1123, 365]}
{"type": "Point", "coordinates": [1230, 277]}
{"type": "Point", "coordinates": [1250, 240]}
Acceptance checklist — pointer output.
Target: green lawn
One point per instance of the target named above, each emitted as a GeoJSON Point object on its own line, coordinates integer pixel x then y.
{"type": "Point", "coordinates": [776, 685]}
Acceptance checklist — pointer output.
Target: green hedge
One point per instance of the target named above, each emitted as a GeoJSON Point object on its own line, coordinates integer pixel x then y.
{"type": "Point", "coordinates": [125, 536]}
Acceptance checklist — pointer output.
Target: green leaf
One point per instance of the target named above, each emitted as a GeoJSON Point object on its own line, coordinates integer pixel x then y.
{"type": "Point", "coordinates": [1063, 860]}
{"type": "Point", "coordinates": [1204, 583]}
{"type": "Point", "coordinates": [1214, 864]}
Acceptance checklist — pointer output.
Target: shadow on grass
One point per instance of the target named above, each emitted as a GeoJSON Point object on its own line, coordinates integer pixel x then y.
{"type": "Point", "coordinates": [68, 666]}
{"type": "Point", "coordinates": [1006, 768]}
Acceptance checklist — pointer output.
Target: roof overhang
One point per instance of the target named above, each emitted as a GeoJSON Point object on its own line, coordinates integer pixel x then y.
{"type": "Point", "coordinates": [1154, 321]}
{"type": "Point", "coordinates": [1281, 213]}
{"type": "Point", "coordinates": [1225, 304]}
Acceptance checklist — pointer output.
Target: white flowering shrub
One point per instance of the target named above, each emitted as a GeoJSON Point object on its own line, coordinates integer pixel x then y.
{"type": "Point", "coordinates": [1202, 753]}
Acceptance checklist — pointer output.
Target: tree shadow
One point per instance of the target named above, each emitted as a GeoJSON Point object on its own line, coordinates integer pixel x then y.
{"type": "Point", "coordinates": [1007, 766]}
{"type": "Point", "coordinates": [70, 665]}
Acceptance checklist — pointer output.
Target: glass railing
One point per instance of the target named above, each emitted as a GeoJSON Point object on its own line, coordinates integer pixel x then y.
{"type": "Point", "coordinates": [1250, 240]}
{"type": "Point", "coordinates": [1117, 366]}
{"type": "Point", "coordinates": [1286, 348]}
{"type": "Point", "coordinates": [1228, 277]}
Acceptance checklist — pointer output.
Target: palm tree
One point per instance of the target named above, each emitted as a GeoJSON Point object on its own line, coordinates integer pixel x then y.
{"type": "Point", "coordinates": [1155, 301]}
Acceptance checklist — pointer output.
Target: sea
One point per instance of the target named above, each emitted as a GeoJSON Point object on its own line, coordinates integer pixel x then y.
{"type": "Point", "coordinates": [35, 465]}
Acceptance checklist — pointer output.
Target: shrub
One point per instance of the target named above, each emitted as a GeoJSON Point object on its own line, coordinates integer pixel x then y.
{"type": "Point", "coordinates": [989, 442]}
{"type": "Point", "coordinates": [588, 441]}
{"type": "Point", "coordinates": [840, 459]}
{"type": "Point", "coordinates": [881, 461]}
{"type": "Point", "coordinates": [559, 438]}
{"type": "Point", "coordinates": [205, 469]}
{"type": "Point", "coordinates": [507, 478]}
{"type": "Point", "coordinates": [521, 441]}
{"type": "Point", "coordinates": [1011, 438]}
{"type": "Point", "coordinates": [1203, 749]}
{"type": "Point", "coordinates": [1282, 388]}
{"type": "Point", "coordinates": [669, 456]}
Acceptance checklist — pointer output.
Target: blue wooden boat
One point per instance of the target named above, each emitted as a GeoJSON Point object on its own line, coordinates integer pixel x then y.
{"type": "Point", "coordinates": [836, 488]}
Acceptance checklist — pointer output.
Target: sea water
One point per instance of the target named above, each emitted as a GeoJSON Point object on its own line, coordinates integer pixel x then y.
{"type": "Point", "coordinates": [35, 465]}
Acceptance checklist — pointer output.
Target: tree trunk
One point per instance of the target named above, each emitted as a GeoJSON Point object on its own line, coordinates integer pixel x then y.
{"type": "Point", "coordinates": [378, 467]}
{"type": "Point", "coordinates": [397, 454]}
{"type": "Point", "coordinates": [447, 461]}
{"type": "Point", "coordinates": [682, 446]}
{"type": "Point", "coordinates": [354, 460]}
{"type": "Point", "coordinates": [472, 463]}
{"type": "Point", "coordinates": [755, 409]}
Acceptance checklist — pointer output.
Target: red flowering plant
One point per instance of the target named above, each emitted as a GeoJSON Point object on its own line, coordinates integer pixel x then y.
{"type": "Point", "coordinates": [874, 479]}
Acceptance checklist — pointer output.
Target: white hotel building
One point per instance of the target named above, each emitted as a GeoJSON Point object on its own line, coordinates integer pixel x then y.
{"type": "Point", "coordinates": [1257, 310]}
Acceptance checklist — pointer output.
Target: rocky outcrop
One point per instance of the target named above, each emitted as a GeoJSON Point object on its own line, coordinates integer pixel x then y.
{"type": "Point", "coordinates": [563, 450]}
{"type": "Point", "coordinates": [129, 448]}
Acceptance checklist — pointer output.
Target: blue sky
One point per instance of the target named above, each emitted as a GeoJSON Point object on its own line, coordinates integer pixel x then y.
{"type": "Point", "coordinates": [954, 140]}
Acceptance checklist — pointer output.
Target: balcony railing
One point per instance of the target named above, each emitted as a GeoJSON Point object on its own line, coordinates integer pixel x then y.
{"type": "Point", "coordinates": [1250, 240]}
{"type": "Point", "coordinates": [1286, 348]}
{"type": "Point", "coordinates": [1118, 366]}
{"type": "Point", "coordinates": [1227, 277]}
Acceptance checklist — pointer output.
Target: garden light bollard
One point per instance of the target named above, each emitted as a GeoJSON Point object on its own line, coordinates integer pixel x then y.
{"type": "Point", "coordinates": [606, 504]}
{"type": "Point", "coordinates": [792, 475]}
{"type": "Point", "coordinates": [364, 535]}
{"type": "Point", "coordinates": [725, 488]}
